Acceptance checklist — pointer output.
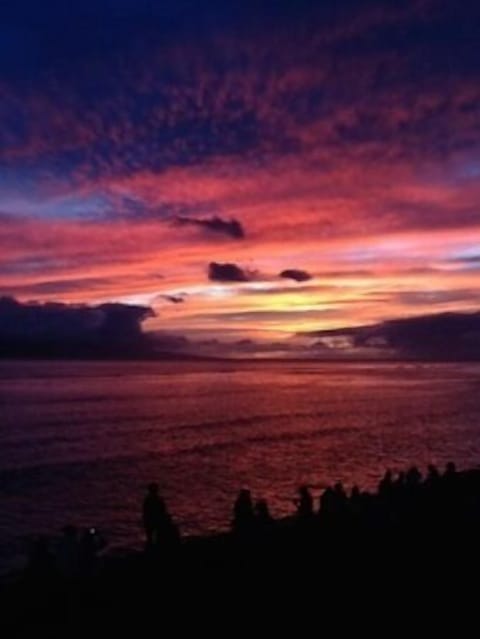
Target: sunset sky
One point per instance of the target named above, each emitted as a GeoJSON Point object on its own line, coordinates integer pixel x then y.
{"type": "Point", "coordinates": [250, 170]}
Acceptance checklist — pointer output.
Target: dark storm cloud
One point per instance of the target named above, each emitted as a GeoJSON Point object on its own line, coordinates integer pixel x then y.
{"type": "Point", "coordinates": [296, 274]}
{"type": "Point", "coordinates": [444, 336]}
{"type": "Point", "coordinates": [61, 330]}
{"type": "Point", "coordinates": [216, 224]}
{"type": "Point", "coordinates": [227, 273]}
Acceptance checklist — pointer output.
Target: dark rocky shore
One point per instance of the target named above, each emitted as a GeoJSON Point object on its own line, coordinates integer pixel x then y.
{"type": "Point", "coordinates": [415, 537]}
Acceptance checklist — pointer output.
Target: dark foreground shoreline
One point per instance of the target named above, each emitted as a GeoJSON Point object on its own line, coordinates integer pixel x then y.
{"type": "Point", "coordinates": [415, 538]}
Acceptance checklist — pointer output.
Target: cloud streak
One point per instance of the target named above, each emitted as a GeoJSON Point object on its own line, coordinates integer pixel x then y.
{"type": "Point", "coordinates": [296, 274]}
{"type": "Point", "coordinates": [232, 228]}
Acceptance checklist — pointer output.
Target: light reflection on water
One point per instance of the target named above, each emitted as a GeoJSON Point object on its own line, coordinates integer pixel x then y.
{"type": "Point", "coordinates": [78, 441]}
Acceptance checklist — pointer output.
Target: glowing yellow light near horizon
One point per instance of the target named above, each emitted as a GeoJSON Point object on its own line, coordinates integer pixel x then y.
{"type": "Point", "coordinates": [219, 291]}
{"type": "Point", "coordinates": [261, 286]}
{"type": "Point", "coordinates": [139, 299]}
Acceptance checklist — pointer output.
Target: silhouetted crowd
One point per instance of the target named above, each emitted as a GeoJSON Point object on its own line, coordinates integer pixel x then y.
{"type": "Point", "coordinates": [341, 552]}
{"type": "Point", "coordinates": [448, 498]}
{"type": "Point", "coordinates": [75, 555]}
{"type": "Point", "coordinates": [403, 503]}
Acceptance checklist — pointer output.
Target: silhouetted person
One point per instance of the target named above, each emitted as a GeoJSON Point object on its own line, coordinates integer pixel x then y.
{"type": "Point", "coordinates": [304, 503]}
{"type": "Point", "coordinates": [91, 544]}
{"type": "Point", "coordinates": [450, 471]}
{"type": "Point", "coordinates": [399, 484]}
{"type": "Point", "coordinates": [69, 553]}
{"type": "Point", "coordinates": [243, 511]}
{"type": "Point", "coordinates": [41, 561]}
{"type": "Point", "coordinates": [355, 493]}
{"type": "Point", "coordinates": [340, 503]}
{"type": "Point", "coordinates": [433, 474]}
{"type": "Point", "coordinates": [450, 486]}
{"type": "Point", "coordinates": [262, 515]}
{"type": "Point", "coordinates": [340, 493]}
{"type": "Point", "coordinates": [327, 499]}
{"type": "Point", "coordinates": [160, 528]}
{"type": "Point", "coordinates": [385, 487]}
{"type": "Point", "coordinates": [153, 512]}
{"type": "Point", "coordinates": [432, 483]}
{"type": "Point", "coordinates": [413, 477]}
{"type": "Point", "coordinates": [356, 500]}
{"type": "Point", "coordinates": [432, 497]}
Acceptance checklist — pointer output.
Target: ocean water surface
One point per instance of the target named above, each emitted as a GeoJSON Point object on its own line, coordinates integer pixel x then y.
{"type": "Point", "coordinates": [79, 440]}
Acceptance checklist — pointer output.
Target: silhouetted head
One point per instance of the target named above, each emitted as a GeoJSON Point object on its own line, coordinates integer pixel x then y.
{"type": "Point", "coordinates": [414, 476]}
{"type": "Point", "coordinates": [450, 469]}
{"type": "Point", "coordinates": [243, 507]}
{"type": "Point", "coordinates": [303, 490]}
{"type": "Point", "coordinates": [338, 488]}
{"type": "Point", "coordinates": [153, 488]}
{"type": "Point", "coordinates": [433, 471]}
{"type": "Point", "coordinates": [355, 492]}
{"type": "Point", "coordinates": [386, 483]}
{"type": "Point", "coordinates": [328, 493]}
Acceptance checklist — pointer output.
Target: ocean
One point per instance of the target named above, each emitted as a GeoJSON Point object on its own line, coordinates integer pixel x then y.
{"type": "Point", "coordinates": [80, 440]}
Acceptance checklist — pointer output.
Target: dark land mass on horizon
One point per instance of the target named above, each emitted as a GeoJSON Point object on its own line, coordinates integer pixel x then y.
{"type": "Point", "coordinates": [173, 358]}
{"type": "Point", "coordinates": [114, 331]}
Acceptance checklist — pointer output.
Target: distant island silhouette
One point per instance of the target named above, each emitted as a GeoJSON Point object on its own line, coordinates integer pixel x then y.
{"type": "Point", "coordinates": [114, 331]}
